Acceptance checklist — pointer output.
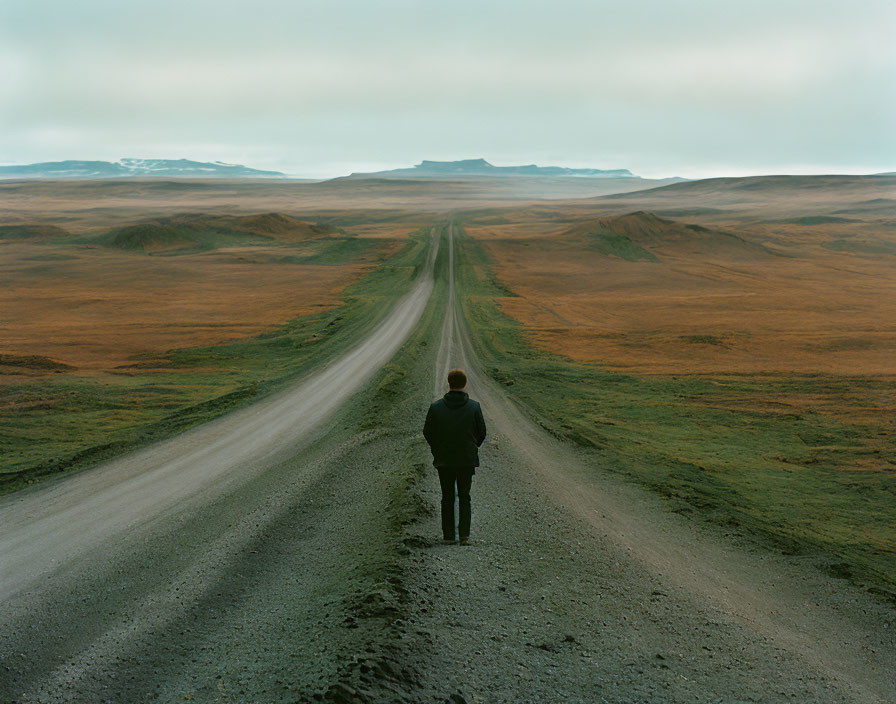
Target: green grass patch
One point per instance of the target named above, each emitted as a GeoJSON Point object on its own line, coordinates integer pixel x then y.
{"type": "Point", "coordinates": [334, 250]}
{"type": "Point", "coordinates": [861, 246]}
{"type": "Point", "coordinates": [62, 422]}
{"type": "Point", "coordinates": [620, 246]}
{"type": "Point", "coordinates": [174, 238]}
{"type": "Point", "coordinates": [703, 340]}
{"type": "Point", "coordinates": [20, 232]}
{"type": "Point", "coordinates": [738, 450]}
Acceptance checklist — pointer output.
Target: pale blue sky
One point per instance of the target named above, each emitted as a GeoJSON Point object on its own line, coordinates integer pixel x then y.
{"type": "Point", "coordinates": [322, 88]}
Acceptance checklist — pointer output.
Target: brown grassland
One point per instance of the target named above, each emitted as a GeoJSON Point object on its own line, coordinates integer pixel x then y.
{"type": "Point", "coordinates": [768, 276]}
{"type": "Point", "coordinates": [712, 284]}
{"type": "Point", "coordinates": [96, 309]}
{"type": "Point", "coordinates": [78, 291]}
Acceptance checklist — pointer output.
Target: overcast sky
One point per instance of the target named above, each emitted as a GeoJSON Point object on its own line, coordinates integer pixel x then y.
{"type": "Point", "coordinates": [662, 87]}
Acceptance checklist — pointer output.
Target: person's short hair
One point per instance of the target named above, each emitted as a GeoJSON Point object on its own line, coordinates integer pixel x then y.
{"type": "Point", "coordinates": [457, 379]}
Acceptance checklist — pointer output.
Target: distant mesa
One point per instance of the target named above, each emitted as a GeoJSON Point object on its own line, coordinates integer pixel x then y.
{"type": "Point", "coordinates": [644, 236]}
{"type": "Point", "coordinates": [480, 167]}
{"type": "Point", "coordinates": [183, 234]}
{"type": "Point", "coordinates": [183, 168]}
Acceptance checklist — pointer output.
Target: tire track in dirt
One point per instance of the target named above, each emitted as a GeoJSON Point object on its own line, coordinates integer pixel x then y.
{"type": "Point", "coordinates": [584, 589]}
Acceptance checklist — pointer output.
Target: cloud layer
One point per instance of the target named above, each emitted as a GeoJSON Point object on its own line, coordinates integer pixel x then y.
{"type": "Point", "coordinates": [318, 88]}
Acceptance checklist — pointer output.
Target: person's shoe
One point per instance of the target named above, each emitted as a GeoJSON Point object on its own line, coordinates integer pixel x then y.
{"type": "Point", "coordinates": [448, 541]}
{"type": "Point", "coordinates": [465, 540]}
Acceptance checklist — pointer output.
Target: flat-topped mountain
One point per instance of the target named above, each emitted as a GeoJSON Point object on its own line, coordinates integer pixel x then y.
{"type": "Point", "coordinates": [480, 167]}
{"type": "Point", "coordinates": [134, 167]}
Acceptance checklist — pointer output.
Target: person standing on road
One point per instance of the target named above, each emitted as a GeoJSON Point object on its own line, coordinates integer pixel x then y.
{"type": "Point", "coordinates": [455, 430]}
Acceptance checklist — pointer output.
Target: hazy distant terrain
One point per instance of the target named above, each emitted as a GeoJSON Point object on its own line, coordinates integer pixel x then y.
{"type": "Point", "coordinates": [85, 205]}
{"type": "Point", "coordinates": [480, 167]}
{"type": "Point", "coordinates": [181, 168]}
{"type": "Point", "coordinates": [186, 168]}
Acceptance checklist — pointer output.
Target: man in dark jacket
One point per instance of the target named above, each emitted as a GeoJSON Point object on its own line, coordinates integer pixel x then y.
{"type": "Point", "coordinates": [455, 429]}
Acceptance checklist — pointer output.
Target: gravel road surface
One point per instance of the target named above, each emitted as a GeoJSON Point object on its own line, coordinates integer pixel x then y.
{"type": "Point", "coordinates": [581, 588]}
{"type": "Point", "coordinates": [56, 523]}
{"type": "Point", "coordinates": [290, 553]}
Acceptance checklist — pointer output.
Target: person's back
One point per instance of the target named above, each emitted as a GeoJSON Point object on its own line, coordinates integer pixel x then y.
{"type": "Point", "coordinates": [455, 429]}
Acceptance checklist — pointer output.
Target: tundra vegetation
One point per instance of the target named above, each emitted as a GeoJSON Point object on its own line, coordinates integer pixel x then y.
{"type": "Point", "coordinates": [740, 367]}
{"type": "Point", "coordinates": [727, 343]}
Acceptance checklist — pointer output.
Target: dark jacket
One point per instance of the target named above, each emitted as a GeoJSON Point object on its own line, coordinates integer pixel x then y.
{"type": "Point", "coordinates": [455, 429]}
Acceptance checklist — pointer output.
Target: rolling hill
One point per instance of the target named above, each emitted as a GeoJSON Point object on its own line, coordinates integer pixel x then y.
{"type": "Point", "coordinates": [196, 232]}
{"type": "Point", "coordinates": [30, 231]}
{"type": "Point", "coordinates": [770, 188]}
{"type": "Point", "coordinates": [643, 236]}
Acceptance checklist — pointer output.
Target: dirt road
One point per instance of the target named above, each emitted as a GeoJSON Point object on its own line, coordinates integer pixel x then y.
{"type": "Point", "coordinates": [305, 570]}
{"type": "Point", "coordinates": [96, 569]}
{"type": "Point", "coordinates": [582, 588]}
{"type": "Point", "coordinates": [46, 528]}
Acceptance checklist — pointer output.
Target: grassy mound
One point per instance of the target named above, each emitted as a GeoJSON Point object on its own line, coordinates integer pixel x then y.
{"type": "Point", "coordinates": [154, 237]}
{"type": "Point", "coordinates": [621, 246]}
{"type": "Point", "coordinates": [196, 232]}
{"type": "Point", "coordinates": [277, 225]}
{"type": "Point", "coordinates": [640, 236]}
{"type": "Point", "coordinates": [23, 232]}
{"type": "Point", "coordinates": [816, 220]}
{"type": "Point", "coordinates": [33, 362]}
{"type": "Point", "coordinates": [861, 246]}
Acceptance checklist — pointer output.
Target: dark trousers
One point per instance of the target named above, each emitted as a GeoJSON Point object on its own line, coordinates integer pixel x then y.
{"type": "Point", "coordinates": [448, 477]}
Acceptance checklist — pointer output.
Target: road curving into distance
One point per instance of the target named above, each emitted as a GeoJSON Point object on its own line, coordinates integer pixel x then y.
{"type": "Point", "coordinates": [53, 524]}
